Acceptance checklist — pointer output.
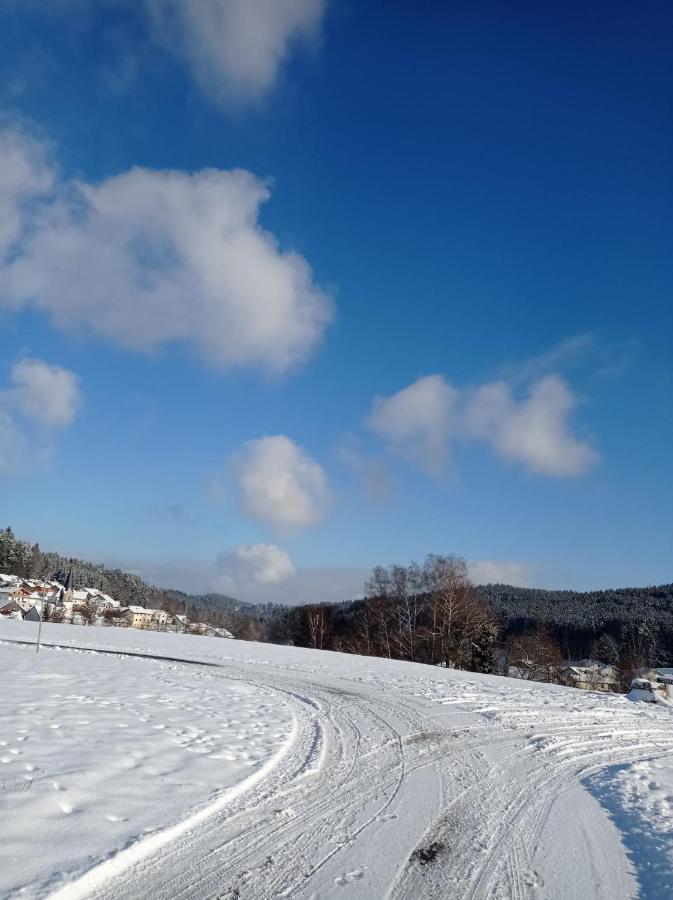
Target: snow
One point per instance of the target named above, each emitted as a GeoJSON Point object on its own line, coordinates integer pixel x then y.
{"type": "Point", "coordinates": [95, 751]}
{"type": "Point", "coordinates": [639, 798]}
{"type": "Point", "coordinates": [289, 772]}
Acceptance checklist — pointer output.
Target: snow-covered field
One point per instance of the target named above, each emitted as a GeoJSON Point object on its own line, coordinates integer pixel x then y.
{"type": "Point", "coordinates": [242, 770]}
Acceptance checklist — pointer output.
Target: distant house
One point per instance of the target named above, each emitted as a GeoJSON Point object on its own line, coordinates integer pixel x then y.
{"type": "Point", "coordinates": [28, 603]}
{"type": "Point", "coordinates": [181, 623]}
{"type": "Point", "coordinates": [141, 617]}
{"type": "Point", "coordinates": [590, 675]}
{"type": "Point", "coordinates": [11, 610]}
{"type": "Point", "coordinates": [32, 614]}
{"type": "Point", "coordinates": [202, 628]}
{"type": "Point", "coordinates": [105, 602]}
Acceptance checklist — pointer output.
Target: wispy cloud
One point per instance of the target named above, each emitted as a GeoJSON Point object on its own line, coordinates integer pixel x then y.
{"type": "Point", "coordinates": [495, 571]}
{"type": "Point", "coordinates": [565, 353]}
{"type": "Point", "coordinates": [40, 400]}
{"type": "Point", "coordinates": [174, 512]}
{"type": "Point", "coordinates": [235, 49]}
{"type": "Point", "coordinates": [374, 477]}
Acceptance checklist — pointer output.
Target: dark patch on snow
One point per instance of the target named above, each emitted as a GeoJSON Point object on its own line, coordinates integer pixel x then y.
{"type": "Point", "coordinates": [425, 855]}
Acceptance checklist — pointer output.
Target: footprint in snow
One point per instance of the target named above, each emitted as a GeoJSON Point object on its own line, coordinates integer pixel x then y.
{"type": "Point", "coordinates": [350, 877]}
{"type": "Point", "coordinates": [532, 879]}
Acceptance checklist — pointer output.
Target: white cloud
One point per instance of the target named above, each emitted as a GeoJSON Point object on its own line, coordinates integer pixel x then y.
{"type": "Point", "coordinates": [235, 48]}
{"type": "Point", "coordinates": [280, 484]}
{"type": "Point", "coordinates": [47, 394]}
{"type": "Point", "coordinates": [493, 571]}
{"type": "Point", "coordinates": [534, 430]}
{"type": "Point", "coordinates": [24, 174]}
{"type": "Point", "coordinates": [41, 399]}
{"type": "Point", "coordinates": [256, 564]}
{"type": "Point", "coordinates": [422, 420]}
{"type": "Point", "coordinates": [418, 421]}
{"type": "Point", "coordinates": [149, 258]}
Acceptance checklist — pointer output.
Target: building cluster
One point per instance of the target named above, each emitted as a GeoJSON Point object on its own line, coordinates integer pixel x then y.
{"type": "Point", "coordinates": [590, 675]}
{"type": "Point", "coordinates": [33, 600]}
{"type": "Point", "coordinates": [596, 676]}
{"type": "Point", "coordinates": [593, 675]}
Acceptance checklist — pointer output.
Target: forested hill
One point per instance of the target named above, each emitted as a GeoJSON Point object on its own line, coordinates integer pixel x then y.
{"type": "Point", "coordinates": [639, 619]}
{"type": "Point", "coordinates": [27, 560]}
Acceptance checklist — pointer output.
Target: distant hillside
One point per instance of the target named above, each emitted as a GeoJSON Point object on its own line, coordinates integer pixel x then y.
{"type": "Point", "coordinates": [18, 557]}
{"type": "Point", "coordinates": [212, 602]}
{"type": "Point", "coordinates": [640, 619]}
{"type": "Point", "coordinates": [208, 601]}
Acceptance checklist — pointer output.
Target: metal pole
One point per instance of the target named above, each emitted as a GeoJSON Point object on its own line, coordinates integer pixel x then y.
{"type": "Point", "coordinates": [39, 629]}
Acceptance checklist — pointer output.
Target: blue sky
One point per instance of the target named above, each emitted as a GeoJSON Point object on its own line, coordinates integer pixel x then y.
{"type": "Point", "coordinates": [434, 315]}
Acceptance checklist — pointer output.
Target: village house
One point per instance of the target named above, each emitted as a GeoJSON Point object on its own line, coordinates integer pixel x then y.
{"type": "Point", "coordinates": [32, 614]}
{"type": "Point", "coordinates": [6, 594]}
{"type": "Point", "coordinates": [141, 617]}
{"type": "Point", "coordinates": [11, 610]}
{"type": "Point", "coordinates": [590, 675]}
{"type": "Point", "coordinates": [106, 602]}
{"type": "Point", "coordinates": [205, 630]}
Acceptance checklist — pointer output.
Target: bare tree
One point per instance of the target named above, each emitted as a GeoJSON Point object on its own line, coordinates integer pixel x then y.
{"type": "Point", "coordinates": [454, 611]}
{"type": "Point", "coordinates": [360, 637]}
{"type": "Point", "coordinates": [406, 585]}
{"type": "Point", "coordinates": [534, 656]}
{"type": "Point", "coordinates": [317, 625]}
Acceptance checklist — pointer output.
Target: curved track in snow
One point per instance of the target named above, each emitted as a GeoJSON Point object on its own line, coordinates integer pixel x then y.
{"type": "Point", "coordinates": [404, 783]}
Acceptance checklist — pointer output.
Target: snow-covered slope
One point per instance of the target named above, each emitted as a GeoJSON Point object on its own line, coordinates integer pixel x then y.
{"type": "Point", "coordinates": [252, 771]}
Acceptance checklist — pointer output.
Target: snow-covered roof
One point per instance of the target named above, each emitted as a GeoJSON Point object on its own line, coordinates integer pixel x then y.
{"type": "Point", "coordinates": [27, 603]}
{"type": "Point", "coordinates": [11, 605]}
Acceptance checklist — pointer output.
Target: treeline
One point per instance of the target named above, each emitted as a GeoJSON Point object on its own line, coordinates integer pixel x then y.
{"type": "Point", "coordinates": [426, 613]}
{"type": "Point", "coordinates": [637, 621]}
{"type": "Point", "coordinates": [432, 614]}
